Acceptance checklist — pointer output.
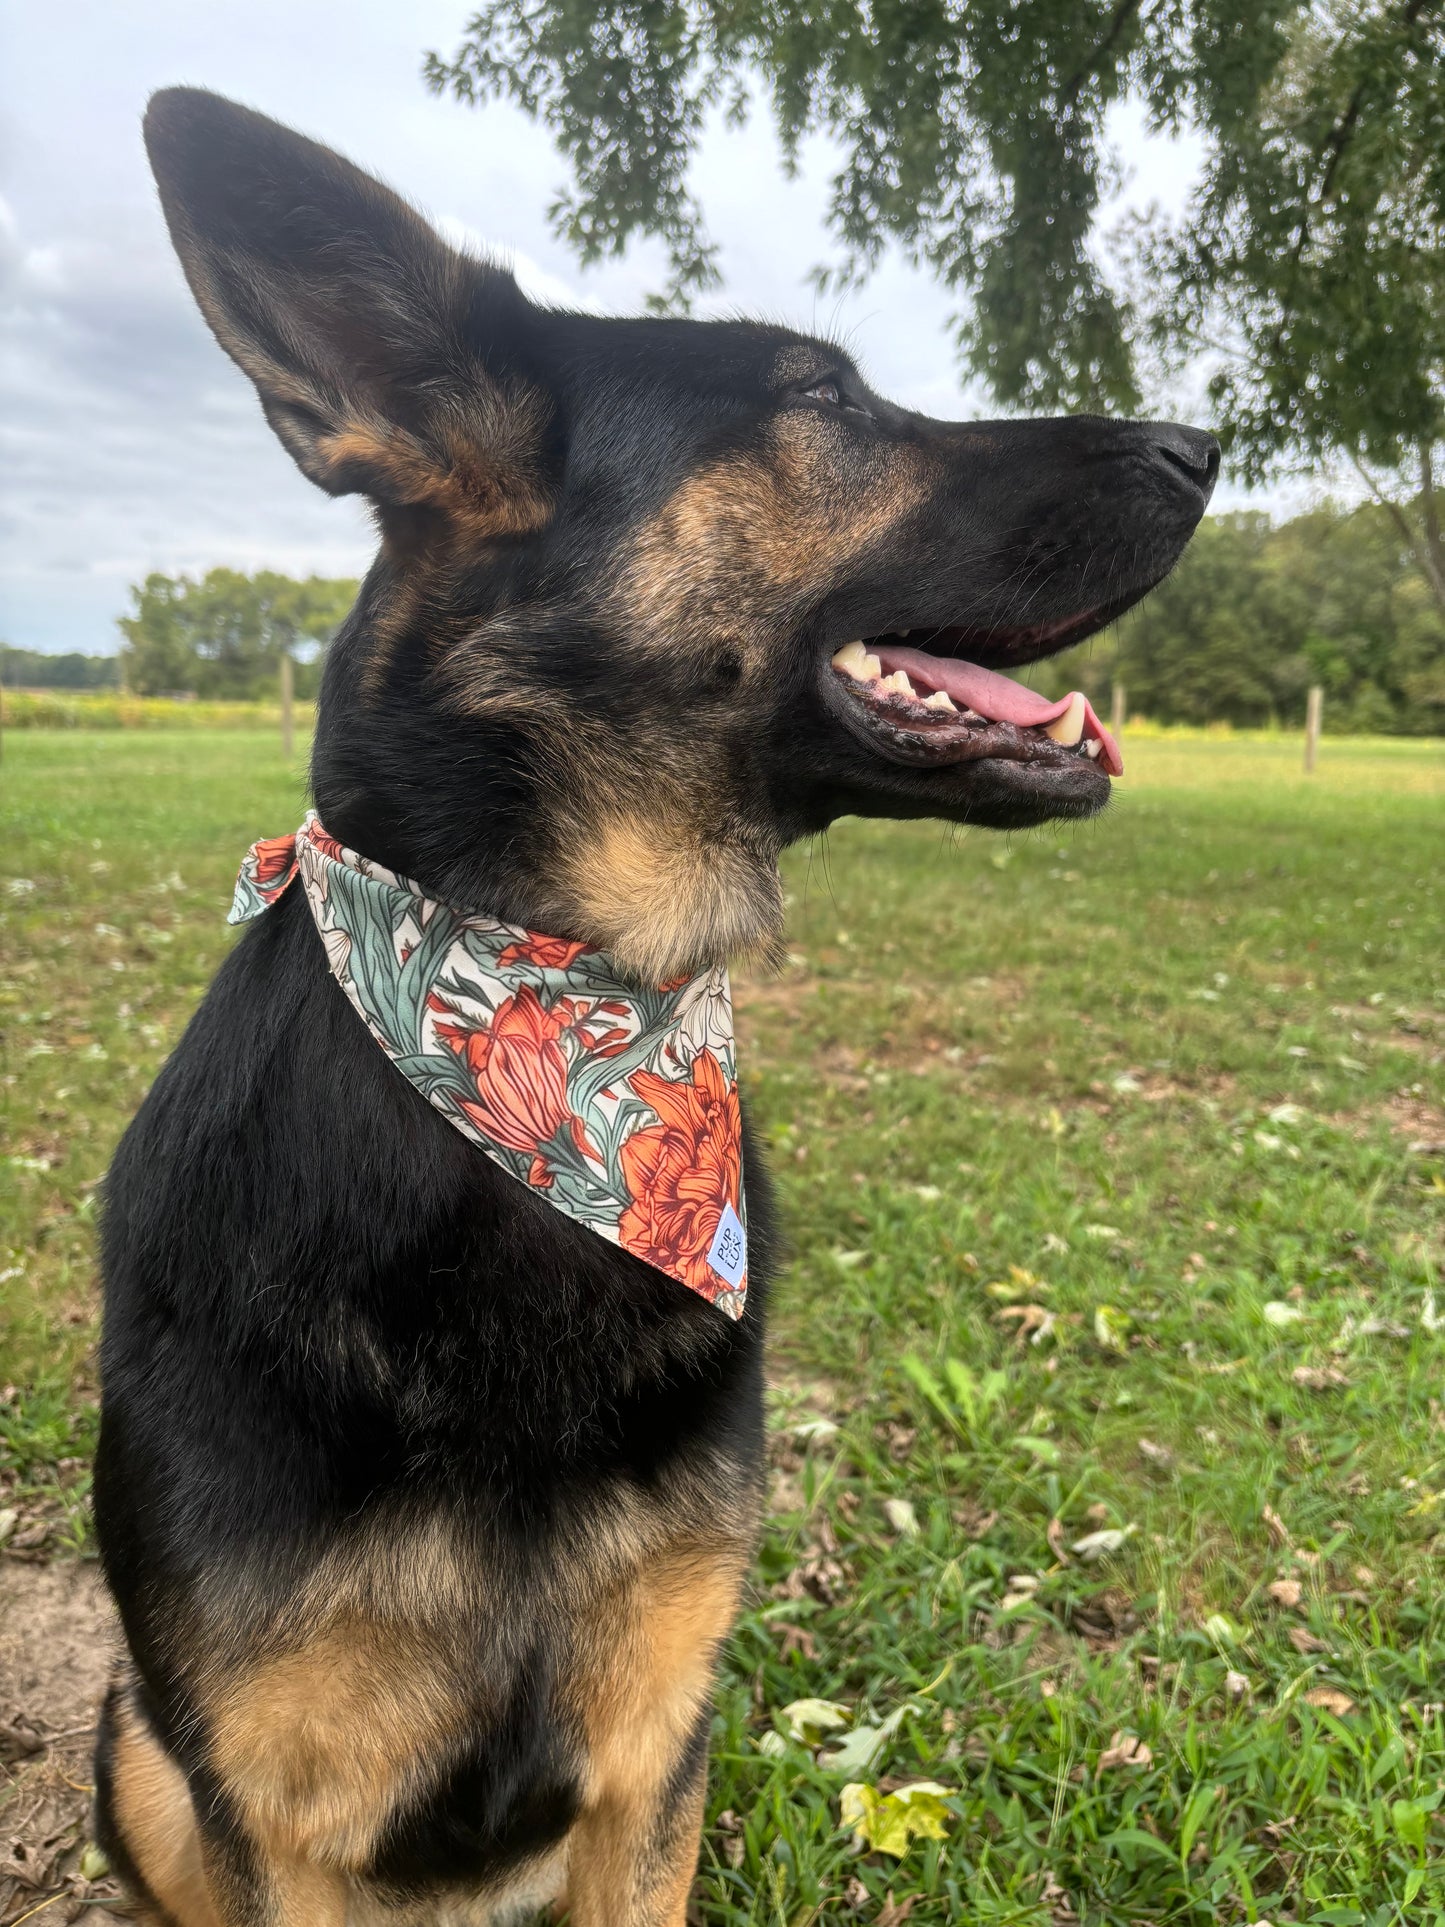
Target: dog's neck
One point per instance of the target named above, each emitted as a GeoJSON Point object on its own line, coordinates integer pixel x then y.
{"type": "Point", "coordinates": [663, 892]}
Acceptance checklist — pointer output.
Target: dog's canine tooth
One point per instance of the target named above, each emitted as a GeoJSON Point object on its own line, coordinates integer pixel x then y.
{"type": "Point", "coordinates": [852, 660]}
{"type": "Point", "coordinates": [1092, 747]}
{"type": "Point", "coordinates": [1068, 728]}
{"type": "Point", "coordinates": [940, 699]}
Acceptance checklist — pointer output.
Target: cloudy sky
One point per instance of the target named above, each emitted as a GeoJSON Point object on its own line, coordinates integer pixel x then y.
{"type": "Point", "coordinates": [128, 442]}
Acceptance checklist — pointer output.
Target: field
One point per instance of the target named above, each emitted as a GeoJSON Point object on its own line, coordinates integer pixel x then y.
{"type": "Point", "coordinates": [1109, 1417]}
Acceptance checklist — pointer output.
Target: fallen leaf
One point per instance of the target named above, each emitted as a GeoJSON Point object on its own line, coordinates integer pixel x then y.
{"type": "Point", "coordinates": [1055, 1537]}
{"type": "Point", "coordinates": [893, 1914]}
{"type": "Point", "coordinates": [890, 1822]}
{"type": "Point", "coordinates": [93, 1863]}
{"type": "Point", "coordinates": [809, 1720]}
{"type": "Point", "coordinates": [812, 1430]}
{"type": "Point", "coordinates": [1019, 1284]}
{"type": "Point", "coordinates": [796, 1639]}
{"type": "Point", "coordinates": [1155, 1454]}
{"type": "Point", "coordinates": [863, 1745]}
{"type": "Point", "coordinates": [1276, 1312]}
{"type": "Point", "coordinates": [1278, 1530]}
{"type": "Point", "coordinates": [1125, 1749]}
{"type": "Point", "coordinates": [1330, 1701]}
{"type": "Point", "coordinates": [1057, 1897]}
{"type": "Point", "coordinates": [1305, 1642]}
{"type": "Point", "coordinates": [1285, 1592]}
{"type": "Point", "coordinates": [901, 1515]}
{"type": "Point", "coordinates": [1031, 1318]}
{"type": "Point", "coordinates": [1098, 1545]}
{"type": "Point", "coordinates": [1111, 1328]}
{"type": "Point", "coordinates": [1236, 1684]}
{"type": "Point", "coordinates": [1318, 1378]}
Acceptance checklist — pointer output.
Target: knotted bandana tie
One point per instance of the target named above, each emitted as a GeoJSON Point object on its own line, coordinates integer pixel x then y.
{"type": "Point", "coordinates": [617, 1105]}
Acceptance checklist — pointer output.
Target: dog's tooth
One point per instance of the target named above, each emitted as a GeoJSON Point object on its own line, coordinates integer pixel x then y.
{"type": "Point", "coordinates": [940, 699]}
{"type": "Point", "coordinates": [1092, 747]}
{"type": "Point", "coordinates": [1068, 728]}
{"type": "Point", "coordinates": [854, 660]}
{"type": "Point", "coordinates": [898, 682]}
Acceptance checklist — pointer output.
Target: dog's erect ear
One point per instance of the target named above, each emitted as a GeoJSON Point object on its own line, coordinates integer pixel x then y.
{"type": "Point", "coordinates": [385, 361]}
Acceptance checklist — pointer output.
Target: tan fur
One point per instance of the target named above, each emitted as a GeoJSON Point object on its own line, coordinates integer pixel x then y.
{"type": "Point", "coordinates": [666, 895]}
{"type": "Point", "coordinates": [738, 550]}
{"type": "Point", "coordinates": [478, 473]}
{"type": "Point", "coordinates": [152, 1806]}
{"type": "Point", "coordinates": [653, 1648]}
{"type": "Point", "coordinates": [319, 1746]}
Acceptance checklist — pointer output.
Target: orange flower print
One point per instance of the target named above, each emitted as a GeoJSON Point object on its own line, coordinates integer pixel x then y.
{"type": "Point", "coordinates": [275, 858]}
{"type": "Point", "coordinates": [327, 845]}
{"type": "Point", "coordinates": [682, 1171]}
{"type": "Point", "coordinates": [520, 1074]}
{"type": "Point", "coordinates": [550, 953]}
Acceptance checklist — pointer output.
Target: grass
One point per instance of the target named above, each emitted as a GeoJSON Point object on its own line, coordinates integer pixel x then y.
{"type": "Point", "coordinates": [1111, 1159]}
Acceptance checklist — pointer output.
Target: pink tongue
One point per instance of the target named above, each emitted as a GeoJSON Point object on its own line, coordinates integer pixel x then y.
{"type": "Point", "coordinates": [999, 698]}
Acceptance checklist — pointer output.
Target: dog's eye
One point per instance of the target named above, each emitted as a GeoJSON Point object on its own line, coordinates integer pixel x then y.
{"type": "Point", "coordinates": [827, 391]}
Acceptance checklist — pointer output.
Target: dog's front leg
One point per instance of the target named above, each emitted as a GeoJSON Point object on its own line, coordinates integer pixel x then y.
{"type": "Point", "coordinates": [646, 1710]}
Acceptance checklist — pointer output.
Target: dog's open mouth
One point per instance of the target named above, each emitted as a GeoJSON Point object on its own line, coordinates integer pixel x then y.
{"type": "Point", "coordinates": [941, 709]}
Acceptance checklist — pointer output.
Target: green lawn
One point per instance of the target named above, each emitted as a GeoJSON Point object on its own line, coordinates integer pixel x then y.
{"type": "Point", "coordinates": [1112, 1163]}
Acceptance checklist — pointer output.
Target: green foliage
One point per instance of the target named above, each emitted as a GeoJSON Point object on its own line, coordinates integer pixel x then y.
{"type": "Point", "coordinates": [1309, 267]}
{"type": "Point", "coordinates": [33, 669]}
{"type": "Point", "coordinates": [1313, 254]}
{"type": "Point", "coordinates": [223, 636]}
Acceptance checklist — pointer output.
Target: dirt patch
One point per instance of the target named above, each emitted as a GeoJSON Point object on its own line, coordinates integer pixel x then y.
{"type": "Point", "coordinates": [57, 1633]}
{"type": "Point", "coordinates": [1413, 1118]}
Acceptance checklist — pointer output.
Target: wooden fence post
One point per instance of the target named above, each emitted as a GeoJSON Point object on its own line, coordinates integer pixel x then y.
{"type": "Point", "coordinates": [1313, 710]}
{"type": "Point", "coordinates": [1118, 709]}
{"type": "Point", "coordinates": [287, 691]}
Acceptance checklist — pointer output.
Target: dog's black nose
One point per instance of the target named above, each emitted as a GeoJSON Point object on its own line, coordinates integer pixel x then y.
{"type": "Point", "coordinates": [1190, 452]}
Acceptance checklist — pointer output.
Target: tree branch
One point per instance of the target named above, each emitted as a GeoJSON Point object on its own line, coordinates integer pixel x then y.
{"type": "Point", "coordinates": [1425, 551]}
{"type": "Point", "coordinates": [1124, 12]}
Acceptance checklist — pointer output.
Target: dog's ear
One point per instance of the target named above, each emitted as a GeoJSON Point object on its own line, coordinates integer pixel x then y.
{"type": "Point", "coordinates": [387, 362]}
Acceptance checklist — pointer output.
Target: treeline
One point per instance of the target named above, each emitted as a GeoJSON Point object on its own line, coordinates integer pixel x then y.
{"type": "Point", "coordinates": [221, 637]}
{"type": "Point", "coordinates": [1256, 612]}
{"type": "Point", "coordinates": [33, 669]}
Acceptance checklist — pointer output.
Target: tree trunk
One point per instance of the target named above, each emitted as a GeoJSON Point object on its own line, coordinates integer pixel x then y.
{"type": "Point", "coordinates": [1430, 515]}
{"type": "Point", "coordinates": [1425, 543]}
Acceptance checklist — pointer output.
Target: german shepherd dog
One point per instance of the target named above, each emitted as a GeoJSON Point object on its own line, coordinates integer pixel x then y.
{"type": "Point", "coordinates": [427, 1509]}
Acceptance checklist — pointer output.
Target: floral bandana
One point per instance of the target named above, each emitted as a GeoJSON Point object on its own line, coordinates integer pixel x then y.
{"type": "Point", "coordinates": [618, 1105]}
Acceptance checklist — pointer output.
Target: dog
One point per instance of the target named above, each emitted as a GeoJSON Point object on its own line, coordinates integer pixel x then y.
{"type": "Point", "coordinates": [425, 1507]}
